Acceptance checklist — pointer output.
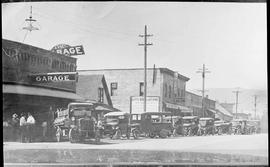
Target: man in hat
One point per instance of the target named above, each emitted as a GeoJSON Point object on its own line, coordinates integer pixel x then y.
{"type": "Point", "coordinates": [15, 126]}
{"type": "Point", "coordinates": [23, 127]}
{"type": "Point", "coordinates": [30, 124]}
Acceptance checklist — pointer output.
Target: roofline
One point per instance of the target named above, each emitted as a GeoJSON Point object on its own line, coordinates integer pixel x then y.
{"type": "Point", "coordinates": [35, 47]}
{"type": "Point", "coordinates": [161, 69]}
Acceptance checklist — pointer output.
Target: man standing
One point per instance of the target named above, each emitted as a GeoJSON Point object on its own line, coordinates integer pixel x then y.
{"type": "Point", "coordinates": [15, 126]}
{"type": "Point", "coordinates": [23, 127]}
{"type": "Point", "coordinates": [31, 123]}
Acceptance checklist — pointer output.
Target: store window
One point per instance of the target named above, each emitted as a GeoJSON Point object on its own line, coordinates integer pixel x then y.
{"type": "Point", "coordinates": [114, 86]}
{"type": "Point", "coordinates": [141, 89]}
{"type": "Point", "coordinates": [100, 95]}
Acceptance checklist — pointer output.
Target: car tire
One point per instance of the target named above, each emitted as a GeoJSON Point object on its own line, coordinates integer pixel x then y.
{"type": "Point", "coordinates": [135, 134]}
{"type": "Point", "coordinates": [152, 135]}
{"type": "Point", "coordinates": [73, 135]}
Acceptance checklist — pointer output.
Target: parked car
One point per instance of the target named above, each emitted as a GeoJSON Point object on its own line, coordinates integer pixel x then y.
{"type": "Point", "coordinates": [191, 125]}
{"type": "Point", "coordinates": [227, 128]}
{"type": "Point", "coordinates": [219, 127]}
{"type": "Point", "coordinates": [177, 123]}
{"type": "Point", "coordinates": [239, 126]}
{"type": "Point", "coordinates": [118, 124]}
{"type": "Point", "coordinates": [77, 123]}
{"type": "Point", "coordinates": [154, 124]}
{"type": "Point", "coordinates": [206, 126]}
{"type": "Point", "coordinates": [253, 126]}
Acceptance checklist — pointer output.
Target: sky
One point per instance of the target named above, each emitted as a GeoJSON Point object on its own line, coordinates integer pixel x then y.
{"type": "Point", "coordinates": [229, 38]}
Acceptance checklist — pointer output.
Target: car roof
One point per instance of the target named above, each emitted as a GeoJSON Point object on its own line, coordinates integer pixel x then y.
{"type": "Point", "coordinates": [116, 114]}
{"type": "Point", "coordinates": [190, 117]}
{"type": "Point", "coordinates": [206, 118]}
{"type": "Point", "coordinates": [158, 113]}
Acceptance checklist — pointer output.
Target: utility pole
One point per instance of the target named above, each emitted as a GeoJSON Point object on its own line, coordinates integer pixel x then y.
{"type": "Point", "coordinates": [255, 104]}
{"type": "Point", "coordinates": [145, 44]}
{"type": "Point", "coordinates": [236, 103]}
{"type": "Point", "coordinates": [203, 71]}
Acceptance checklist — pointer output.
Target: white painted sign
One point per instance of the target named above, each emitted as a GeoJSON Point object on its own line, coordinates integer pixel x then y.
{"type": "Point", "coordinates": [137, 104]}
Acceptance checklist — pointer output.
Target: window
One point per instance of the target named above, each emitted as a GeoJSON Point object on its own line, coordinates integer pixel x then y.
{"type": "Point", "coordinates": [100, 95]}
{"type": "Point", "coordinates": [141, 89]}
{"type": "Point", "coordinates": [166, 90]}
{"type": "Point", "coordinates": [114, 88]}
{"type": "Point", "coordinates": [178, 92]}
{"type": "Point", "coordinates": [170, 91]}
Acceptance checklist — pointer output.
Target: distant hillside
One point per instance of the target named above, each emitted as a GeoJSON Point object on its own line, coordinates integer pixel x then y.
{"type": "Point", "coordinates": [245, 98]}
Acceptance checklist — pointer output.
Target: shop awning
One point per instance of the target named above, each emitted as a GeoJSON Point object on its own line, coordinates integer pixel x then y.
{"type": "Point", "coordinates": [178, 107]}
{"type": "Point", "coordinates": [37, 91]}
{"type": "Point", "coordinates": [213, 111]}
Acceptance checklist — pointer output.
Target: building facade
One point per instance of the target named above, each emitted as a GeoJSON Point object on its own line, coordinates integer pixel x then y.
{"type": "Point", "coordinates": [94, 87]}
{"type": "Point", "coordinates": [194, 102]}
{"type": "Point", "coordinates": [126, 85]}
{"type": "Point", "coordinates": [27, 87]}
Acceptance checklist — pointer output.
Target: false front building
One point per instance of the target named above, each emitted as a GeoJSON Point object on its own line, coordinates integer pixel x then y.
{"type": "Point", "coordinates": [36, 81]}
{"type": "Point", "coordinates": [165, 89]}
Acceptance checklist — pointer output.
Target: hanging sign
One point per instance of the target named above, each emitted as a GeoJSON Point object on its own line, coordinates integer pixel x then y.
{"type": "Point", "coordinates": [68, 50]}
{"type": "Point", "coordinates": [53, 77]}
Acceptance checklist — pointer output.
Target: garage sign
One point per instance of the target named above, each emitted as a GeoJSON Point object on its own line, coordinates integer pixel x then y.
{"type": "Point", "coordinates": [68, 50]}
{"type": "Point", "coordinates": [53, 77]}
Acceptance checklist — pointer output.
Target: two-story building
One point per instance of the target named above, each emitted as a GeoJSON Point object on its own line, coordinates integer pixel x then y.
{"type": "Point", "coordinates": [36, 80]}
{"type": "Point", "coordinates": [165, 89]}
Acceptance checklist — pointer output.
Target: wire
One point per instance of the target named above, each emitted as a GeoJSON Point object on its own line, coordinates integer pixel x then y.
{"type": "Point", "coordinates": [24, 37]}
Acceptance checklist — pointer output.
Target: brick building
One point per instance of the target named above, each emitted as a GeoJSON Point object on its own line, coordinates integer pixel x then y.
{"type": "Point", "coordinates": [165, 86]}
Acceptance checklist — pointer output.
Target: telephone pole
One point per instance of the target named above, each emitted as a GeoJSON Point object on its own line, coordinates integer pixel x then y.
{"type": "Point", "coordinates": [236, 103]}
{"type": "Point", "coordinates": [203, 71]}
{"type": "Point", "coordinates": [255, 104]}
{"type": "Point", "coordinates": [145, 44]}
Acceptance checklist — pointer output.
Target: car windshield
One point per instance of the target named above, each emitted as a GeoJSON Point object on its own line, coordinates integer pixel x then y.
{"type": "Point", "coordinates": [203, 122]}
{"type": "Point", "coordinates": [187, 121]}
{"type": "Point", "coordinates": [80, 107]}
{"type": "Point", "coordinates": [79, 110]}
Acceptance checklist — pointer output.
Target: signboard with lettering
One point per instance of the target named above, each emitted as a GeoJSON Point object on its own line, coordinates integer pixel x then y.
{"type": "Point", "coordinates": [137, 104]}
{"type": "Point", "coordinates": [68, 50]}
{"type": "Point", "coordinates": [54, 77]}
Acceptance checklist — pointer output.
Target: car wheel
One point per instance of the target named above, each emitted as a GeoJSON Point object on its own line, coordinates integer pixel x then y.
{"type": "Point", "coordinates": [152, 135]}
{"type": "Point", "coordinates": [135, 134]}
{"type": "Point", "coordinates": [73, 135]}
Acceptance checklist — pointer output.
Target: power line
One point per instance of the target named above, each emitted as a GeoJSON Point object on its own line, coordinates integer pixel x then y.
{"type": "Point", "coordinates": [145, 44]}
{"type": "Point", "coordinates": [203, 71]}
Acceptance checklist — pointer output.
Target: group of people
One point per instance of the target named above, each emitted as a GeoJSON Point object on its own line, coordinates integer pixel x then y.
{"type": "Point", "coordinates": [23, 126]}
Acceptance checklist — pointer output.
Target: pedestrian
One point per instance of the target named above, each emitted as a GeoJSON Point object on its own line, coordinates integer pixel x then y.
{"type": "Point", "coordinates": [44, 130]}
{"type": "Point", "coordinates": [31, 126]}
{"type": "Point", "coordinates": [23, 128]}
{"type": "Point", "coordinates": [15, 126]}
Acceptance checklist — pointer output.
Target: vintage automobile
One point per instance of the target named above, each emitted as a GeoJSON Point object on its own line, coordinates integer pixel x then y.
{"type": "Point", "coordinates": [219, 127]}
{"type": "Point", "coordinates": [253, 126]}
{"type": "Point", "coordinates": [77, 122]}
{"type": "Point", "coordinates": [227, 128]}
{"type": "Point", "coordinates": [153, 124]}
{"type": "Point", "coordinates": [191, 125]}
{"type": "Point", "coordinates": [118, 125]}
{"type": "Point", "coordinates": [239, 126]}
{"type": "Point", "coordinates": [206, 126]}
{"type": "Point", "coordinates": [177, 123]}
